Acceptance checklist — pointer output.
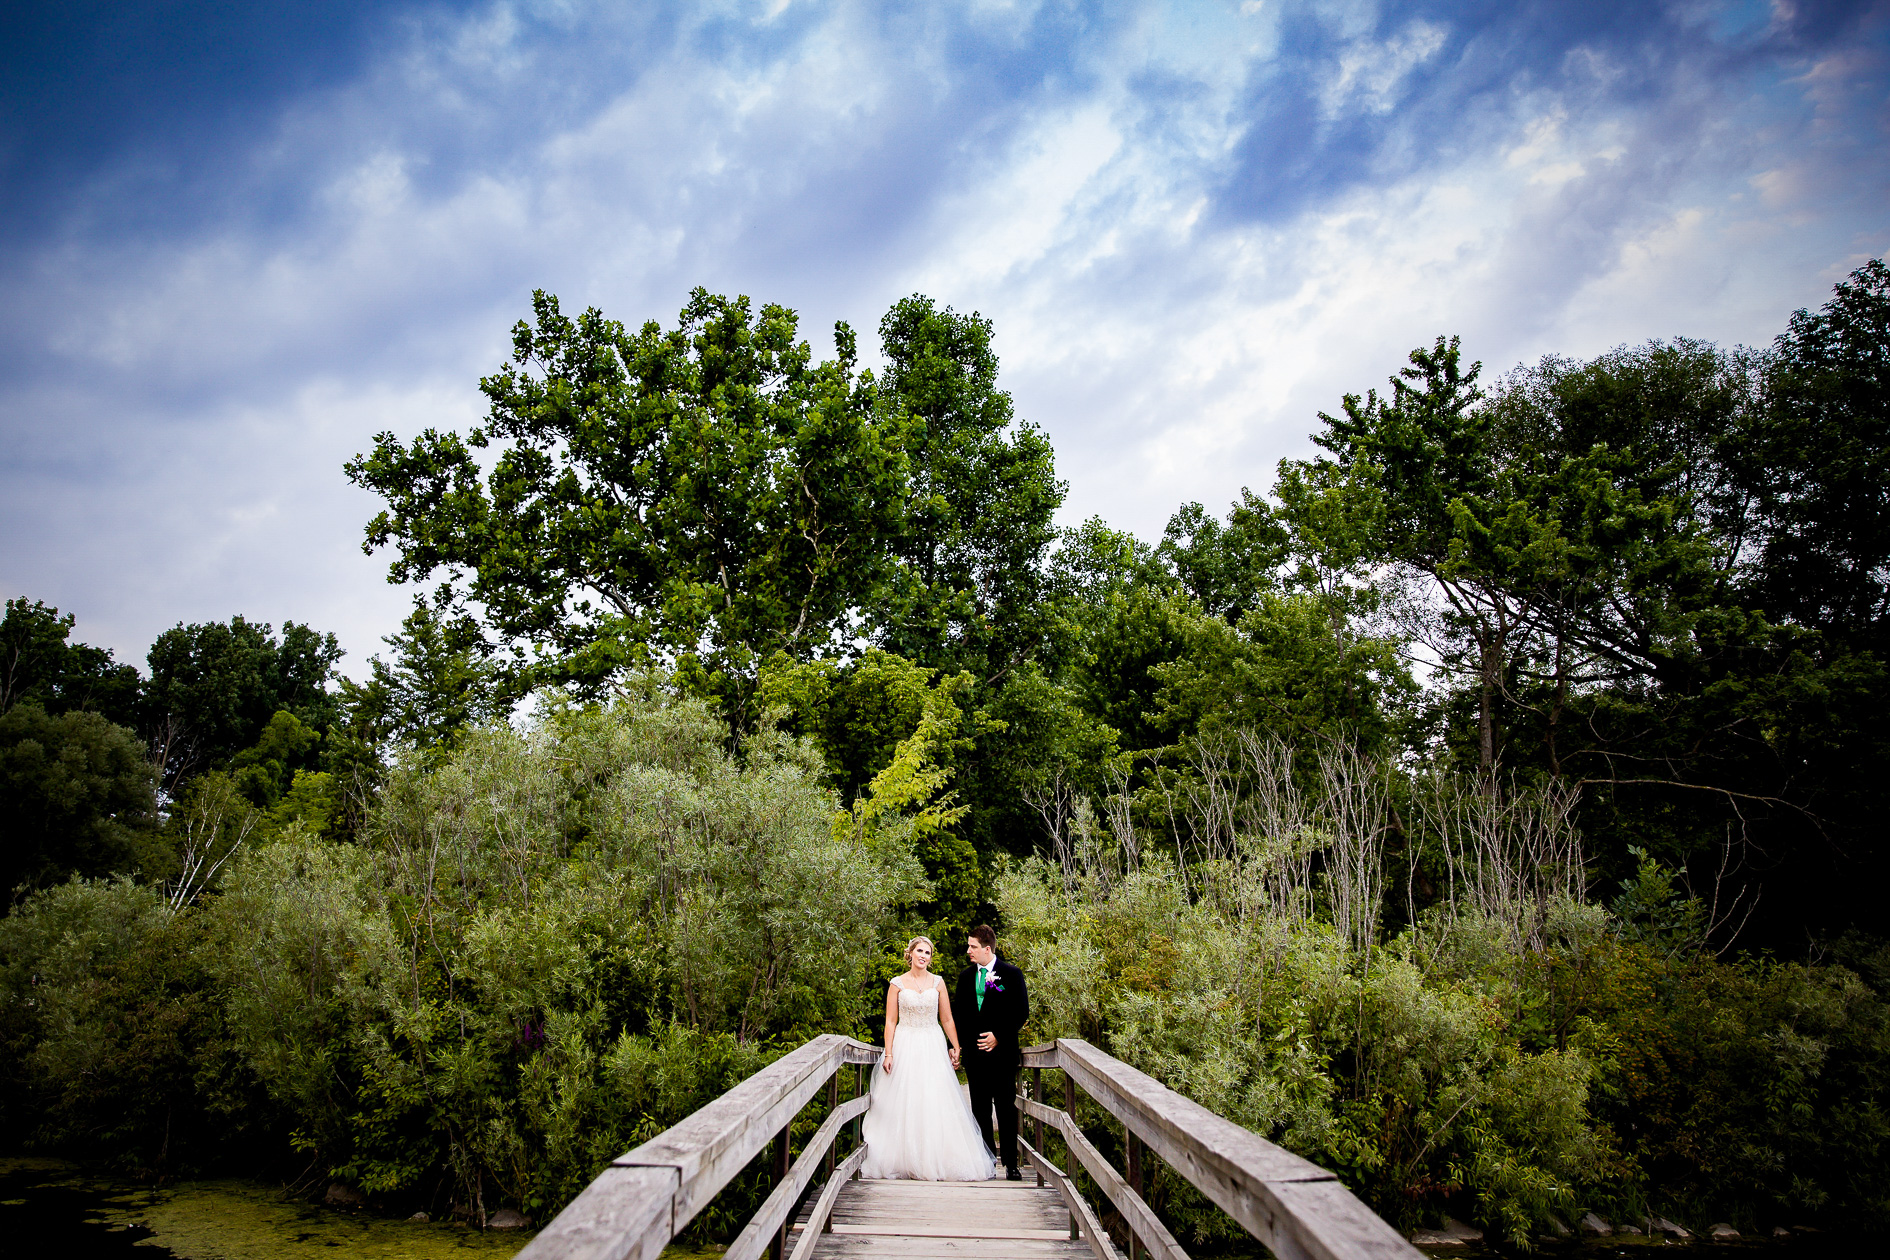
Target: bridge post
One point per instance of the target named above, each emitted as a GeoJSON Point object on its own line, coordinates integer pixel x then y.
{"type": "Point", "coordinates": [833, 1100]}
{"type": "Point", "coordinates": [1132, 1157]}
{"type": "Point", "coordinates": [778, 1247]}
{"type": "Point", "coordinates": [859, 1091]}
{"type": "Point", "coordinates": [1036, 1094]}
{"type": "Point", "coordinates": [1069, 1157]}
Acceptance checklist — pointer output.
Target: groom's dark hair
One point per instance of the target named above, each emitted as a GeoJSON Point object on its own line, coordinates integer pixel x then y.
{"type": "Point", "coordinates": [984, 936]}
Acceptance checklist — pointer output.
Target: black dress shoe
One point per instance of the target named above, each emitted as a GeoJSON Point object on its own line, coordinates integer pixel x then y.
{"type": "Point", "coordinates": [1011, 1174]}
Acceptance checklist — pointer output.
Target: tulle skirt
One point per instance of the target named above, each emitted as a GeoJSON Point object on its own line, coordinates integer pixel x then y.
{"type": "Point", "coordinates": [920, 1124]}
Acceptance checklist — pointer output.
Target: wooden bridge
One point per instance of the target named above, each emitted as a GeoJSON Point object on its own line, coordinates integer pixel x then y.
{"type": "Point", "coordinates": [820, 1209]}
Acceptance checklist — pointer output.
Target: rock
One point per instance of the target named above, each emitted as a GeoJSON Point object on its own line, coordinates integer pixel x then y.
{"type": "Point", "coordinates": [1592, 1224]}
{"type": "Point", "coordinates": [1722, 1230]}
{"type": "Point", "coordinates": [1556, 1227]}
{"type": "Point", "coordinates": [341, 1196]}
{"type": "Point", "coordinates": [1661, 1225]}
{"type": "Point", "coordinates": [1460, 1232]}
{"type": "Point", "coordinates": [420, 1217]}
{"type": "Point", "coordinates": [1779, 1231]}
{"type": "Point", "coordinates": [1432, 1238]}
{"type": "Point", "coordinates": [506, 1218]}
{"type": "Point", "coordinates": [1628, 1229]}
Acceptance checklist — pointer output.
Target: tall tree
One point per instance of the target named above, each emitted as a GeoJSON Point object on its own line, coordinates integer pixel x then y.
{"type": "Point", "coordinates": [702, 497]}
{"type": "Point", "coordinates": [967, 589]}
{"type": "Point", "coordinates": [78, 795]}
{"type": "Point", "coordinates": [38, 663]}
{"type": "Point", "coordinates": [1816, 458]}
{"type": "Point", "coordinates": [1227, 567]}
{"type": "Point", "coordinates": [214, 688]}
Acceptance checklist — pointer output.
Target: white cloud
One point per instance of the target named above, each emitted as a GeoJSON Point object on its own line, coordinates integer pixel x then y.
{"type": "Point", "coordinates": [187, 401]}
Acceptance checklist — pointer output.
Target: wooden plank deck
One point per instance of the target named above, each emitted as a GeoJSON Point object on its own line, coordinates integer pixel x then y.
{"type": "Point", "coordinates": [935, 1220]}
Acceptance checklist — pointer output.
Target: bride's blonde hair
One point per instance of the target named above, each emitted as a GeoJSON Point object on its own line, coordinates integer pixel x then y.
{"type": "Point", "coordinates": [914, 944]}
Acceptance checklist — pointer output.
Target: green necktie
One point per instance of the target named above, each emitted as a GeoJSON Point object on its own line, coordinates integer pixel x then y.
{"type": "Point", "coordinates": [981, 988]}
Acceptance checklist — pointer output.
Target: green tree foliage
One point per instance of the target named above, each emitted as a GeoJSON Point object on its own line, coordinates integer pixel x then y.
{"type": "Point", "coordinates": [1226, 568]}
{"type": "Point", "coordinates": [1283, 667]}
{"type": "Point", "coordinates": [706, 495]}
{"type": "Point", "coordinates": [1501, 1059]}
{"type": "Point", "coordinates": [1816, 455]}
{"type": "Point", "coordinates": [891, 734]}
{"type": "Point", "coordinates": [38, 664]}
{"type": "Point", "coordinates": [214, 688]}
{"type": "Point", "coordinates": [113, 1037]}
{"type": "Point", "coordinates": [78, 797]}
{"type": "Point", "coordinates": [537, 929]}
{"type": "Point", "coordinates": [1583, 553]}
{"type": "Point", "coordinates": [1562, 530]}
{"type": "Point", "coordinates": [967, 591]}
{"type": "Point", "coordinates": [437, 686]}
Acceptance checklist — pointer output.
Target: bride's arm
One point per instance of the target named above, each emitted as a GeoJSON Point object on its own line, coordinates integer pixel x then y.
{"type": "Point", "coordinates": [892, 1023]}
{"type": "Point", "coordinates": [945, 1019]}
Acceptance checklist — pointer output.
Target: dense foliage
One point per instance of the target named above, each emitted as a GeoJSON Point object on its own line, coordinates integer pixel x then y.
{"type": "Point", "coordinates": [1488, 811]}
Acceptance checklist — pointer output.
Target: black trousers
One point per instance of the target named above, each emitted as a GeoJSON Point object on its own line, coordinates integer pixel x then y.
{"type": "Point", "coordinates": [995, 1087]}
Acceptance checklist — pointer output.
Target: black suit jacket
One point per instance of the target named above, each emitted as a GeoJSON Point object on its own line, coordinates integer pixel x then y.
{"type": "Point", "coordinates": [1006, 1007]}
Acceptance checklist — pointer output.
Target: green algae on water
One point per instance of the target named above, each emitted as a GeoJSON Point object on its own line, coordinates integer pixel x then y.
{"type": "Point", "coordinates": [79, 1213]}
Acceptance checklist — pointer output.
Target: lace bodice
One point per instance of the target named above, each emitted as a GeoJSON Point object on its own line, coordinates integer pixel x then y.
{"type": "Point", "coordinates": [917, 1006]}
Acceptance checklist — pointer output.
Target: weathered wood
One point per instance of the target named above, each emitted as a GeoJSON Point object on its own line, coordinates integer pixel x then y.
{"type": "Point", "coordinates": [1040, 1056]}
{"type": "Point", "coordinates": [1132, 1165]}
{"type": "Point", "coordinates": [776, 1213]}
{"type": "Point", "coordinates": [833, 1101]}
{"type": "Point", "coordinates": [1069, 1105]}
{"type": "Point", "coordinates": [1082, 1216]}
{"type": "Point", "coordinates": [711, 1146]}
{"type": "Point", "coordinates": [777, 1245]}
{"type": "Point", "coordinates": [911, 1247]}
{"type": "Point", "coordinates": [817, 1220]}
{"type": "Point", "coordinates": [1141, 1219]}
{"type": "Point", "coordinates": [1246, 1176]}
{"type": "Point", "coordinates": [623, 1215]}
{"type": "Point", "coordinates": [646, 1196]}
{"type": "Point", "coordinates": [1036, 1091]}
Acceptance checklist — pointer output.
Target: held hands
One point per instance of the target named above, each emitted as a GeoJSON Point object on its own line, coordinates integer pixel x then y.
{"type": "Point", "coordinates": [987, 1041]}
{"type": "Point", "coordinates": [955, 1057]}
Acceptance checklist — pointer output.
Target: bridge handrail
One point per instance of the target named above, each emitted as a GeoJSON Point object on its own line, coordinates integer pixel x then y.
{"type": "Point", "coordinates": [1298, 1209]}
{"type": "Point", "coordinates": [647, 1196]}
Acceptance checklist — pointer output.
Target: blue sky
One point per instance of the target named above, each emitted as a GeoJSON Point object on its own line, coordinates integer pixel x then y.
{"type": "Point", "coordinates": [237, 241]}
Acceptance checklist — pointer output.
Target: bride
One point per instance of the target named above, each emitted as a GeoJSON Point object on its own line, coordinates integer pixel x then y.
{"type": "Point", "coordinates": [920, 1125]}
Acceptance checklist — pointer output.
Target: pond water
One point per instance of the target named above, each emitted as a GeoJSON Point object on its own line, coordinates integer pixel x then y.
{"type": "Point", "coordinates": [53, 1208]}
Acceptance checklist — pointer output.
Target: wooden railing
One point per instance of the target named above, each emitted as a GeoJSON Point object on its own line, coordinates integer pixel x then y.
{"type": "Point", "coordinates": [646, 1197]}
{"type": "Point", "coordinates": [1298, 1209]}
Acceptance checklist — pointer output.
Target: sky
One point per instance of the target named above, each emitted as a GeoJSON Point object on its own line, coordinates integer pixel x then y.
{"type": "Point", "coordinates": [237, 241]}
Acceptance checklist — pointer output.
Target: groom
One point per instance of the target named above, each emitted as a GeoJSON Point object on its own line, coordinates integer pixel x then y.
{"type": "Point", "coordinates": [990, 1005]}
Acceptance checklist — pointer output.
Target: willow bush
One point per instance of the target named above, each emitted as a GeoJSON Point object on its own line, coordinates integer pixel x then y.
{"type": "Point", "coordinates": [550, 945]}
{"type": "Point", "coordinates": [1513, 1052]}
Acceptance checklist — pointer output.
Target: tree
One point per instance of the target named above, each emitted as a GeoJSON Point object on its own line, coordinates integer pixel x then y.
{"type": "Point", "coordinates": [215, 687]}
{"type": "Point", "coordinates": [79, 799]}
{"type": "Point", "coordinates": [967, 589]}
{"type": "Point", "coordinates": [38, 664]}
{"type": "Point", "coordinates": [1816, 458]}
{"type": "Point", "coordinates": [702, 497]}
{"type": "Point", "coordinates": [1226, 568]}
{"type": "Point", "coordinates": [438, 684]}
{"type": "Point", "coordinates": [1563, 528]}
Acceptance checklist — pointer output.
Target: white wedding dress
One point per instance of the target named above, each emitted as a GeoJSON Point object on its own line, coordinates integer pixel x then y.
{"type": "Point", "coordinates": [920, 1124]}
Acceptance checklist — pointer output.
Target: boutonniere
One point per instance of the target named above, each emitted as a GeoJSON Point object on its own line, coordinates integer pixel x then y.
{"type": "Point", "coordinates": [992, 985]}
